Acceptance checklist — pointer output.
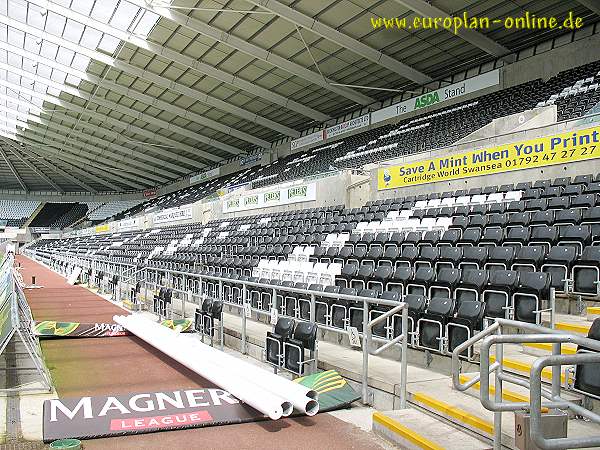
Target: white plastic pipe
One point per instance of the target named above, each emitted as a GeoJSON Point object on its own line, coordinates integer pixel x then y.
{"type": "Point", "coordinates": [167, 342]}
{"type": "Point", "coordinates": [302, 398]}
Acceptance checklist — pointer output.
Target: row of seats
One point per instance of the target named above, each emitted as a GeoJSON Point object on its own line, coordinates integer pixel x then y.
{"type": "Point", "coordinates": [426, 132]}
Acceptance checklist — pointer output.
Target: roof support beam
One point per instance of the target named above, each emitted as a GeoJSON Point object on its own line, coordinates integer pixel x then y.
{"type": "Point", "coordinates": [45, 142]}
{"type": "Point", "coordinates": [255, 51]}
{"type": "Point", "coordinates": [71, 177]}
{"type": "Point", "coordinates": [76, 180]}
{"type": "Point", "coordinates": [154, 169]}
{"type": "Point", "coordinates": [77, 170]}
{"type": "Point", "coordinates": [205, 121]}
{"type": "Point", "coordinates": [13, 170]}
{"type": "Point", "coordinates": [473, 37]}
{"type": "Point", "coordinates": [343, 40]}
{"type": "Point", "coordinates": [117, 107]}
{"type": "Point", "coordinates": [184, 60]}
{"type": "Point", "coordinates": [16, 150]}
{"type": "Point", "coordinates": [592, 5]}
{"type": "Point", "coordinates": [69, 106]}
{"type": "Point", "coordinates": [41, 147]}
{"type": "Point", "coordinates": [55, 140]}
{"type": "Point", "coordinates": [150, 76]}
{"type": "Point", "coordinates": [45, 131]}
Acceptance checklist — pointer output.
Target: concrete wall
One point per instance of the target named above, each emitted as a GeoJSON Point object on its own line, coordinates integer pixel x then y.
{"type": "Point", "coordinates": [359, 191]}
{"type": "Point", "coordinates": [527, 120]}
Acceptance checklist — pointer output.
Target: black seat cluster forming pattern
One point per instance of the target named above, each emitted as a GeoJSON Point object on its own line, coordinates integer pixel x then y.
{"type": "Point", "coordinates": [574, 91]}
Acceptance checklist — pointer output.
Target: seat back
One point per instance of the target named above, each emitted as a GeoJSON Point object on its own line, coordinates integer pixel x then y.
{"type": "Point", "coordinates": [587, 376]}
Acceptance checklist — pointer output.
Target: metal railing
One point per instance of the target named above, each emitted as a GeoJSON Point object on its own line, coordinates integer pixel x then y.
{"type": "Point", "coordinates": [495, 336]}
{"type": "Point", "coordinates": [179, 283]}
{"type": "Point", "coordinates": [19, 323]}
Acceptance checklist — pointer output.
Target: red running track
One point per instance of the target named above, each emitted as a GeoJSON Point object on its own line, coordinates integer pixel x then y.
{"type": "Point", "coordinates": [122, 365]}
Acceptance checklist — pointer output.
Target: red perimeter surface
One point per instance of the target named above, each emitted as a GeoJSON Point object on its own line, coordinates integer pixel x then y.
{"type": "Point", "coordinates": [122, 365]}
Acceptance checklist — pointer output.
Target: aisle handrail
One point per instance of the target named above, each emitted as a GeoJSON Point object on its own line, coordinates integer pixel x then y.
{"type": "Point", "coordinates": [495, 336]}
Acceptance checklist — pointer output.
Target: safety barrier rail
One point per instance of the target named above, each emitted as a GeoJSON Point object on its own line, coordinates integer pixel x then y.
{"type": "Point", "coordinates": [19, 322]}
{"type": "Point", "coordinates": [117, 268]}
{"type": "Point", "coordinates": [497, 335]}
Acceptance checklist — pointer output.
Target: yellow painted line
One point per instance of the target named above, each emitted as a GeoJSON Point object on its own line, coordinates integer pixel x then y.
{"type": "Point", "coordinates": [128, 304]}
{"type": "Point", "coordinates": [453, 411]}
{"type": "Point", "coordinates": [526, 368]}
{"type": "Point", "coordinates": [593, 309]}
{"type": "Point", "coordinates": [573, 327]}
{"type": "Point", "coordinates": [405, 432]}
{"type": "Point", "coordinates": [566, 349]}
{"type": "Point", "coordinates": [506, 394]}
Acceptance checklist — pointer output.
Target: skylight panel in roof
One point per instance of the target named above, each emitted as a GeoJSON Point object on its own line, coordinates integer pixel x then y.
{"type": "Point", "coordinates": [13, 78]}
{"type": "Point", "coordinates": [31, 44]}
{"type": "Point", "coordinates": [40, 87]}
{"type": "Point", "coordinates": [108, 44]}
{"type": "Point", "coordinates": [91, 37]}
{"type": "Point", "coordinates": [43, 71]}
{"type": "Point", "coordinates": [72, 80]}
{"type": "Point", "coordinates": [64, 56]}
{"type": "Point", "coordinates": [15, 37]}
{"type": "Point", "coordinates": [13, 94]}
{"type": "Point", "coordinates": [53, 91]}
{"type": "Point", "coordinates": [104, 10]}
{"type": "Point", "coordinates": [73, 31]}
{"type": "Point", "coordinates": [48, 50]}
{"type": "Point", "coordinates": [124, 15]}
{"type": "Point", "coordinates": [81, 6]}
{"type": "Point", "coordinates": [55, 24]}
{"type": "Point", "coordinates": [17, 9]}
{"type": "Point", "coordinates": [145, 23]}
{"type": "Point", "coordinates": [14, 60]}
{"type": "Point", "coordinates": [58, 76]}
{"type": "Point", "coordinates": [35, 17]}
{"type": "Point", "coordinates": [80, 62]}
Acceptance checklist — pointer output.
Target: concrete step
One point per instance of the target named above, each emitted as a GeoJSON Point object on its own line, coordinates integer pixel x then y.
{"type": "Point", "coordinates": [522, 367]}
{"type": "Point", "coordinates": [544, 349]}
{"type": "Point", "coordinates": [405, 428]}
{"type": "Point", "coordinates": [574, 327]}
{"type": "Point", "coordinates": [511, 392]}
{"type": "Point", "coordinates": [592, 313]}
{"type": "Point", "coordinates": [466, 412]}
{"type": "Point", "coordinates": [458, 408]}
{"type": "Point", "coordinates": [516, 394]}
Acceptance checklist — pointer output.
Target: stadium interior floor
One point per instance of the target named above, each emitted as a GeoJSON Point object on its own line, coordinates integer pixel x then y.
{"type": "Point", "coordinates": [106, 366]}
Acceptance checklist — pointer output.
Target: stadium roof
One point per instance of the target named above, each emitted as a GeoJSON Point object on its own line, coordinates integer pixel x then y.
{"type": "Point", "coordinates": [115, 95]}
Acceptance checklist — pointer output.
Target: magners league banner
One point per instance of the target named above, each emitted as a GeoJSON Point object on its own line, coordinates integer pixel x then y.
{"type": "Point", "coordinates": [93, 417]}
{"type": "Point", "coordinates": [563, 148]}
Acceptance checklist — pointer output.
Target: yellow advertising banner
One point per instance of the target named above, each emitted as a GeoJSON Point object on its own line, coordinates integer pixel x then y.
{"type": "Point", "coordinates": [563, 148]}
{"type": "Point", "coordinates": [102, 228]}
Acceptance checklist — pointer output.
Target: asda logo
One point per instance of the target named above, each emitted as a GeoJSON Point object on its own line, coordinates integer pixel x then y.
{"type": "Point", "coordinates": [299, 191]}
{"type": "Point", "coordinates": [427, 100]}
{"type": "Point", "coordinates": [252, 200]}
{"type": "Point", "coordinates": [272, 196]}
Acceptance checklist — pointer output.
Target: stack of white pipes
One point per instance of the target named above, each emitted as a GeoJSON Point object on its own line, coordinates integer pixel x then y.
{"type": "Point", "coordinates": [266, 392]}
